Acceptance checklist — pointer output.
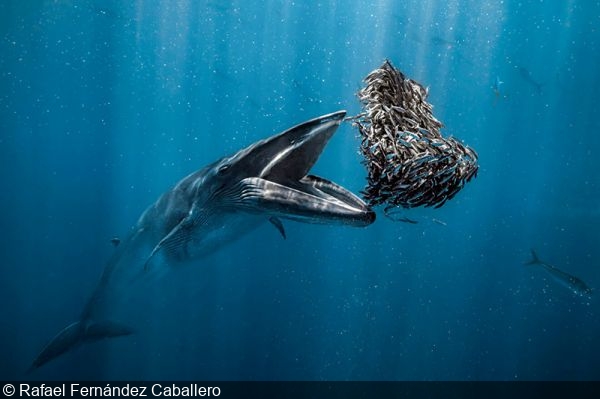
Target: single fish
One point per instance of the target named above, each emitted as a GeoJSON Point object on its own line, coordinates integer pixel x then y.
{"type": "Point", "coordinates": [576, 285]}
{"type": "Point", "coordinates": [443, 42]}
{"type": "Point", "coordinates": [395, 213]}
{"type": "Point", "coordinates": [496, 86]}
{"type": "Point", "coordinates": [438, 221]}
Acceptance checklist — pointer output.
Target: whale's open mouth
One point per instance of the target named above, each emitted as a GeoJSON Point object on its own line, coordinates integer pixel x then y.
{"type": "Point", "coordinates": [282, 186]}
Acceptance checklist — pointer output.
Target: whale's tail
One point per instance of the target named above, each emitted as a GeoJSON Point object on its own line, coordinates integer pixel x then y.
{"type": "Point", "coordinates": [534, 259]}
{"type": "Point", "coordinates": [78, 333]}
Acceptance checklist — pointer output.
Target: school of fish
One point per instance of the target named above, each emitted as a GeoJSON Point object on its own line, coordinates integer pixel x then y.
{"type": "Point", "coordinates": [409, 163]}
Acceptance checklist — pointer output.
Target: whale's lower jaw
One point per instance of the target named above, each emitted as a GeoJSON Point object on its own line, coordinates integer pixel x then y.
{"type": "Point", "coordinates": [305, 201]}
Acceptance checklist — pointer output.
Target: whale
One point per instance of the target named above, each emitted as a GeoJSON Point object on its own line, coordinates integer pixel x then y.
{"type": "Point", "coordinates": [266, 182]}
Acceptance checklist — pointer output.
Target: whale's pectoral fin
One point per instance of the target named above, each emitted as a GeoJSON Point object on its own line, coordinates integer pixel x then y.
{"type": "Point", "coordinates": [312, 201]}
{"type": "Point", "coordinates": [278, 225]}
{"type": "Point", "coordinates": [173, 242]}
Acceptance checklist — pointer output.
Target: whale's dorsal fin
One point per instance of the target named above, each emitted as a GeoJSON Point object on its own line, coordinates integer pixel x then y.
{"type": "Point", "coordinates": [278, 225]}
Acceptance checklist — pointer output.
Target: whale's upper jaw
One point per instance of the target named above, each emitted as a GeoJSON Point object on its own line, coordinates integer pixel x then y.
{"type": "Point", "coordinates": [285, 156]}
{"type": "Point", "coordinates": [295, 151]}
{"type": "Point", "coordinates": [273, 177]}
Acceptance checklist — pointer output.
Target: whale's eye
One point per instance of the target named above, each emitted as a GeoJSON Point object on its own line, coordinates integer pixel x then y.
{"type": "Point", "coordinates": [222, 169]}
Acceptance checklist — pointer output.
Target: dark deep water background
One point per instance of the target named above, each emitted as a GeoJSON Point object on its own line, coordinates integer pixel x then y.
{"type": "Point", "coordinates": [104, 105]}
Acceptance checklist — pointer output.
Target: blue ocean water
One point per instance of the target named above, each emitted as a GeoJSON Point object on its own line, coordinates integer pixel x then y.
{"type": "Point", "coordinates": [104, 105]}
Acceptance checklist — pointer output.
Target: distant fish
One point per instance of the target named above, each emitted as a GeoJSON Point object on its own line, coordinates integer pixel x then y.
{"type": "Point", "coordinates": [576, 285]}
{"type": "Point", "coordinates": [220, 7]}
{"type": "Point", "coordinates": [438, 221]}
{"type": "Point", "coordinates": [496, 86]}
{"type": "Point", "coordinates": [395, 214]}
{"type": "Point", "coordinates": [526, 75]}
{"type": "Point", "coordinates": [440, 41]}
{"type": "Point", "coordinates": [115, 241]}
